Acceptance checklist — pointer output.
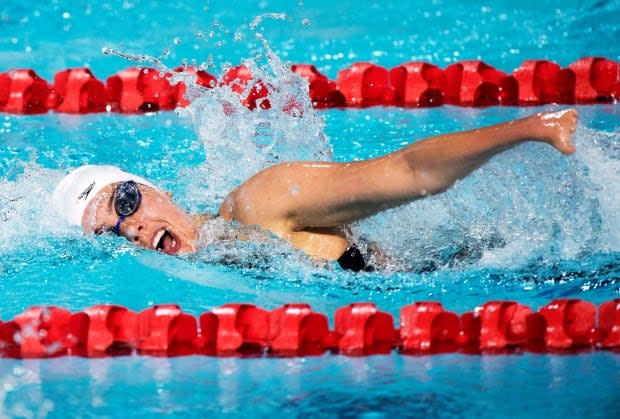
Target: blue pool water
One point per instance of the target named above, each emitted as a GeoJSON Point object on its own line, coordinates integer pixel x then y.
{"type": "Point", "coordinates": [536, 225]}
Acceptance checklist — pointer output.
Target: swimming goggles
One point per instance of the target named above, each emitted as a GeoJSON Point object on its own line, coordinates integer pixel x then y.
{"type": "Point", "coordinates": [127, 198]}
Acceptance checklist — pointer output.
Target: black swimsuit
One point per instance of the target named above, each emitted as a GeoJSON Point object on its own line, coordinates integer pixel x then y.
{"type": "Point", "coordinates": [353, 260]}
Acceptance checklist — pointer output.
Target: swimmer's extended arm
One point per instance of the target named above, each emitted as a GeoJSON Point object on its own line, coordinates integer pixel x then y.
{"type": "Point", "coordinates": [299, 195]}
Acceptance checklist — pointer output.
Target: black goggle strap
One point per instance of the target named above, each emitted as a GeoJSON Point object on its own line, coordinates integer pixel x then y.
{"type": "Point", "coordinates": [117, 228]}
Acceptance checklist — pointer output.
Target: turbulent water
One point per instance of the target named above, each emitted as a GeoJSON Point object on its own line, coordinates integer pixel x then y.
{"type": "Point", "coordinates": [527, 206]}
{"type": "Point", "coordinates": [531, 225]}
{"type": "Point", "coordinates": [530, 215]}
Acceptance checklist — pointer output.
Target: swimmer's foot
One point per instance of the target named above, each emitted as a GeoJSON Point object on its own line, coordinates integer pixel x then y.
{"type": "Point", "coordinates": [557, 129]}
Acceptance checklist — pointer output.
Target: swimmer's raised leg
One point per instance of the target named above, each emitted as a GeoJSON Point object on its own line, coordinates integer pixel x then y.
{"type": "Point", "coordinates": [440, 161]}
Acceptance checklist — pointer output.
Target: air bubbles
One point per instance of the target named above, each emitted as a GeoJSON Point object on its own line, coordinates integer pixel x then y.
{"type": "Point", "coordinates": [305, 22]}
{"type": "Point", "coordinates": [66, 15]}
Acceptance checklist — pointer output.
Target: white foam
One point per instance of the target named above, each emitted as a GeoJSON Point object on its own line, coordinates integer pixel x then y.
{"type": "Point", "coordinates": [25, 211]}
{"type": "Point", "coordinates": [238, 142]}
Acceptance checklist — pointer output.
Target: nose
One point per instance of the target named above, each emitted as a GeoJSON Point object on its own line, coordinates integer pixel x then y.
{"type": "Point", "coordinates": [132, 231]}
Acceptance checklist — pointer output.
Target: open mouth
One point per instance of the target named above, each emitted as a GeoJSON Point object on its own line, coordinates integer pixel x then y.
{"type": "Point", "coordinates": [165, 241]}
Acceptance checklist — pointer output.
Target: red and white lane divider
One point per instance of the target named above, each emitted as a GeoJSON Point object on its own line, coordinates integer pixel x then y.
{"type": "Point", "coordinates": [412, 84]}
{"type": "Point", "coordinates": [567, 325]}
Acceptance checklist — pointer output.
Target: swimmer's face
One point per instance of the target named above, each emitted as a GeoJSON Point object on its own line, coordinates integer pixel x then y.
{"type": "Point", "coordinates": [158, 224]}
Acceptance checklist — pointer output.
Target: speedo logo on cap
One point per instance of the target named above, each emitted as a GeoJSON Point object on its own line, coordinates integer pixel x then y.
{"type": "Point", "coordinates": [86, 191]}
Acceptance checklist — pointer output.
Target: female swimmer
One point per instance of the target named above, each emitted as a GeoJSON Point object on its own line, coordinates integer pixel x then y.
{"type": "Point", "coordinates": [308, 204]}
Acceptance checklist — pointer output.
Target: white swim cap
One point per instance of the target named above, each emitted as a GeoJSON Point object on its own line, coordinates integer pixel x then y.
{"type": "Point", "coordinates": [79, 187]}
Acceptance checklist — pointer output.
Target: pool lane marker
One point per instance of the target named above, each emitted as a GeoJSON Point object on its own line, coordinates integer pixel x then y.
{"type": "Point", "coordinates": [589, 80]}
{"type": "Point", "coordinates": [360, 329]}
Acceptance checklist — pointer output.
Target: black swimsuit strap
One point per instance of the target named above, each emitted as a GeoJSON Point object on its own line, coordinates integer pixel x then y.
{"type": "Point", "coordinates": [352, 259]}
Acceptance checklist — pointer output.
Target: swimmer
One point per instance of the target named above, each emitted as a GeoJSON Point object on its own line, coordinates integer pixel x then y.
{"type": "Point", "coordinates": [308, 204]}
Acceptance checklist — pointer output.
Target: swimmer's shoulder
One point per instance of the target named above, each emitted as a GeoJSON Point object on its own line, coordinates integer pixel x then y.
{"type": "Point", "coordinates": [257, 195]}
{"type": "Point", "coordinates": [227, 207]}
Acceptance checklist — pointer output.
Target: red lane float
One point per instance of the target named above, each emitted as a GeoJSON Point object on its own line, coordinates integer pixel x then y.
{"type": "Point", "coordinates": [239, 78]}
{"type": "Point", "coordinates": [235, 329]}
{"type": "Point", "coordinates": [365, 84]}
{"type": "Point", "coordinates": [609, 322]}
{"type": "Point", "coordinates": [507, 324]}
{"type": "Point", "coordinates": [475, 83]}
{"type": "Point", "coordinates": [77, 91]}
{"type": "Point", "coordinates": [39, 332]}
{"type": "Point", "coordinates": [412, 84]}
{"type": "Point", "coordinates": [23, 92]}
{"type": "Point", "coordinates": [164, 330]}
{"type": "Point", "coordinates": [469, 335]}
{"type": "Point", "coordinates": [201, 78]}
{"type": "Point", "coordinates": [564, 325]}
{"type": "Point", "coordinates": [418, 84]}
{"type": "Point", "coordinates": [542, 81]}
{"type": "Point", "coordinates": [295, 329]}
{"type": "Point", "coordinates": [427, 327]}
{"type": "Point", "coordinates": [323, 92]}
{"type": "Point", "coordinates": [141, 90]}
{"type": "Point", "coordinates": [570, 324]}
{"type": "Point", "coordinates": [361, 329]}
{"type": "Point", "coordinates": [597, 79]}
{"type": "Point", "coordinates": [104, 330]}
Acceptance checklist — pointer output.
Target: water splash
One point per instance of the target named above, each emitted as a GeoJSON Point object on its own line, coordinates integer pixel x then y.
{"type": "Point", "coordinates": [25, 210]}
{"type": "Point", "coordinates": [529, 206]}
{"type": "Point", "coordinates": [229, 132]}
{"type": "Point", "coordinates": [259, 19]}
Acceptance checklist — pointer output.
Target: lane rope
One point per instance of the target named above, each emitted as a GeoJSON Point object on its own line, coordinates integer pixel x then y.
{"type": "Point", "coordinates": [589, 80]}
{"type": "Point", "coordinates": [561, 326]}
